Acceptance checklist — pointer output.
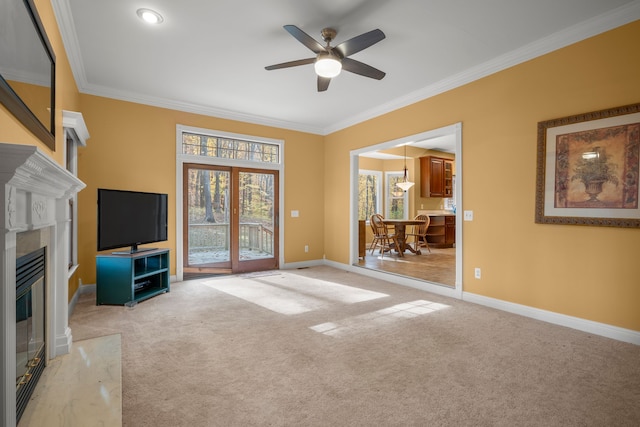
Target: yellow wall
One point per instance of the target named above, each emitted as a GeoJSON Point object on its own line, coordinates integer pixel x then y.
{"type": "Point", "coordinates": [133, 147]}
{"type": "Point", "coordinates": [588, 272]}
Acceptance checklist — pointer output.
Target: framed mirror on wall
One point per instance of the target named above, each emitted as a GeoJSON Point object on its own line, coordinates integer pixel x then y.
{"type": "Point", "coordinates": [27, 69]}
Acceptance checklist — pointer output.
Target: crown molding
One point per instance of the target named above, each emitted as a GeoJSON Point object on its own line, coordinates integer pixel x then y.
{"type": "Point", "coordinates": [188, 107]}
{"type": "Point", "coordinates": [589, 28]}
{"type": "Point", "coordinates": [592, 27]}
{"type": "Point", "coordinates": [67, 28]}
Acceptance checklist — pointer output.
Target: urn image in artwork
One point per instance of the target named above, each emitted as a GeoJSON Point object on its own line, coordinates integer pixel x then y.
{"type": "Point", "coordinates": [593, 169]}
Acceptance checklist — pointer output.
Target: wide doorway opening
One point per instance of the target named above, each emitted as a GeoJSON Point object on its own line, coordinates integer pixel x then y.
{"type": "Point", "coordinates": [432, 161]}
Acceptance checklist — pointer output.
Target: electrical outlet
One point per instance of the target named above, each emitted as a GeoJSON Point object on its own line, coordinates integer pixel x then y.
{"type": "Point", "coordinates": [306, 248]}
{"type": "Point", "coordinates": [477, 273]}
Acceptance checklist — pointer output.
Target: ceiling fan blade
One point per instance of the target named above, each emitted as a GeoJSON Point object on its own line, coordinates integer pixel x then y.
{"type": "Point", "coordinates": [291, 64]}
{"type": "Point", "coordinates": [360, 42]}
{"type": "Point", "coordinates": [323, 83]}
{"type": "Point", "coordinates": [305, 39]}
{"type": "Point", "coordinates": [362, 69]}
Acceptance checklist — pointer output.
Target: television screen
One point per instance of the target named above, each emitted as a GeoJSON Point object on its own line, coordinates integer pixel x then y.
{"type": "Point", "coordinates": [130, 218]}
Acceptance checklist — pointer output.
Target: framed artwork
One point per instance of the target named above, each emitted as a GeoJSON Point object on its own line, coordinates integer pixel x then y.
{"type": "Point", "coordinates": [588, 169]}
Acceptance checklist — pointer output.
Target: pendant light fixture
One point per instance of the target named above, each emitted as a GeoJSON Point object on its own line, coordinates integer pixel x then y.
{"type": "Point", "coordinates": [405, 184]}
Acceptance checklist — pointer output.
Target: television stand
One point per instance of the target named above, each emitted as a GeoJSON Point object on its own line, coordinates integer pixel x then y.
{"type": "Point", "coordinates": [127, 277]}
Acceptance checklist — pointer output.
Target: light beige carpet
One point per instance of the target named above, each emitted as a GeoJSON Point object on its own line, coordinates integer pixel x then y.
{"type": "Point", "coordinates": [324, 347]}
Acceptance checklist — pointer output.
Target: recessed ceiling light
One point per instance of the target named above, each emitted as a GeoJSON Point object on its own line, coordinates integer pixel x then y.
{"type": "Point", "coordinates": [150, 16]}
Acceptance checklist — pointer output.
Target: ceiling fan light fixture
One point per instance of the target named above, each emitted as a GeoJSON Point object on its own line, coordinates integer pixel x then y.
{"type": "Point", "coordinates": [327, 65]}
{"type": "Point", "coordinates": [150, 16]}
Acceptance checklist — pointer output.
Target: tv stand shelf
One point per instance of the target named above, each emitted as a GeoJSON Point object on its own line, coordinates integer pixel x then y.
{"type": "Point", "coordinates": [123, 278]}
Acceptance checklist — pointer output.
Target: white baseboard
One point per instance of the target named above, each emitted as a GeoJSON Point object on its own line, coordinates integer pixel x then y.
{"type": "Point", "coordinates": [87, 289]}
{"type": "Point", "coordinates": [302, 264]}
{"type": "Point", "coordinates": [63, 343]}
{"type": "Point", "coordinates": [82, 289]}
{"type": "Point", "coordinates": [72, 303]}
{"type": "Point", "coordinates": [589, 326]}
{"type": "Point", "coordinates": [400, 280]}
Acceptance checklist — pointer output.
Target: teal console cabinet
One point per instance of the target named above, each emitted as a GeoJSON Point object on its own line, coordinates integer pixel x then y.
{"type": "Point", "coordinates": [123, 278]}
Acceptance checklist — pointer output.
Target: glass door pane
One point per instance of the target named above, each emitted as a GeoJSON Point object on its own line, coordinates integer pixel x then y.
{"type": "Point", "coordinates": [208, 219]}
{"type": "Point", "coordinates": [230, 219]}
{"type": "Point", "coordinates": [257, 220]}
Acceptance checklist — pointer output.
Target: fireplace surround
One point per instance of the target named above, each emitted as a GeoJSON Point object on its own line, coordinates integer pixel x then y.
{"type": "Point", "coordinates": [35, 193]}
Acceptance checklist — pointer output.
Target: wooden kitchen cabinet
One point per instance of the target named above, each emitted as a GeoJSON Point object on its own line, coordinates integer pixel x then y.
{"type": "Point", "coordinates": [436, 177]}
{"type": "Point", "coordinates": [442, 231]}
{"type": "Point", "coordinates": [450, 230]}
{"type": "Point", "coordinates": [448, 178]}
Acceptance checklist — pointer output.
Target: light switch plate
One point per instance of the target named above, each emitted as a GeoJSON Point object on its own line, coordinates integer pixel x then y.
{"type": "Point", "coordinates": [468, 215]}
{"type": "Point", "coordinates": [295, 214]}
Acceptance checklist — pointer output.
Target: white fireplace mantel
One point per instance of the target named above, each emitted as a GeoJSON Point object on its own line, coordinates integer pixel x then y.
{"type": "Point", "coordinates": [35, 192]}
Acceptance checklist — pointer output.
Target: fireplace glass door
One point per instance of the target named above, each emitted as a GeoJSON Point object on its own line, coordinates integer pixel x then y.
{"type": "Point", "coordinates": [29, 329]}
{"type": "Point", "coordinates": [30, 325]}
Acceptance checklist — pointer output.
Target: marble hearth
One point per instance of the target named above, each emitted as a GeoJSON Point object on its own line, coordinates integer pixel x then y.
{"type": "Point", "coordinates": [35, 193]}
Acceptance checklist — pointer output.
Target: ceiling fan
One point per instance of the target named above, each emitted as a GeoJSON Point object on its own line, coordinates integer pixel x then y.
{"type": "Point", "coordinates": [330, 60]}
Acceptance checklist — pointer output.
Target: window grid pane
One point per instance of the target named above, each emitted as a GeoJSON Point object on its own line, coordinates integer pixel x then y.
{"type": "Point", "coordinates": [228, 148]}
{"type": "Point", "coordinates": [367, 195]}
{"type": "Point", "coordinates": [396, 197]}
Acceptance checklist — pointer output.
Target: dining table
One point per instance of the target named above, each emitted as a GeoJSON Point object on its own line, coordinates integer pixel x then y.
{"type": "Point", "coordinates": [400, 225]}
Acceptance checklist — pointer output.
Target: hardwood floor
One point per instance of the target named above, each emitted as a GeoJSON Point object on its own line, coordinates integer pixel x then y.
{"type": "Point", "coordinates": [439, 266]}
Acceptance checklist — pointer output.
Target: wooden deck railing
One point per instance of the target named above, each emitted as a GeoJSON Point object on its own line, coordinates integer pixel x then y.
{"type": "Point", "coordinates": [215, 237]}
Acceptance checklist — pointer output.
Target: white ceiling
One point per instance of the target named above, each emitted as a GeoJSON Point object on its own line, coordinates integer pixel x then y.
{"type": "Point", "coordinates": [208, 57]}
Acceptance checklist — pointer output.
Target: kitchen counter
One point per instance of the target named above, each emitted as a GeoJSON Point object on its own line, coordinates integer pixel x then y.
{"type": "Point", "coordinates": [442, 228]}
{"type": "Point", "coordinates": [435, 212]}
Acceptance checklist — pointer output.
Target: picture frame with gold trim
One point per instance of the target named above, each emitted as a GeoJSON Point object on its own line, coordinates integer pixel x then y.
{"type": "Point", "coordinates": [588, 169]}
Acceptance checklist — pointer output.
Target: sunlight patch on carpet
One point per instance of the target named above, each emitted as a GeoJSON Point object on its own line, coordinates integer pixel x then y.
{"type": "Point", "coordinates": [377, 318]}
{"type": "Point", "coordinates": [322, 289]}
{"type": "Point", "coordinates": [291, 294]}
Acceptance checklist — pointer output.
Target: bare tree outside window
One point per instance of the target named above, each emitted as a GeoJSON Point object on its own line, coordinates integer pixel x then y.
{"type": "Point", "coordinates": [369, 187]}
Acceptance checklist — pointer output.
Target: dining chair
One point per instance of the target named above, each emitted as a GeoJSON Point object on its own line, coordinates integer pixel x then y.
{"type": "Point", "coordinates": [419, 233]}
{"type": "Point", "coordinates": [382, 238]}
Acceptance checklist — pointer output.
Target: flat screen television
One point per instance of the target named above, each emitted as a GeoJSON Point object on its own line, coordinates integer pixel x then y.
{"type": "Point", "coordinates": [130, 218]}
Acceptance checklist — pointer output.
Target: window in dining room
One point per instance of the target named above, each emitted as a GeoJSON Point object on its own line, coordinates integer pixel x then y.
{"type": "Point", "coordinates": [369, 191]}
{"type": "Point", "coordinates": [397, 199]}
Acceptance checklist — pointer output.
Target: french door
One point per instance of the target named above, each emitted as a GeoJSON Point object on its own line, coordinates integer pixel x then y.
{"type": "Point", "coordinates": [230, 219]}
